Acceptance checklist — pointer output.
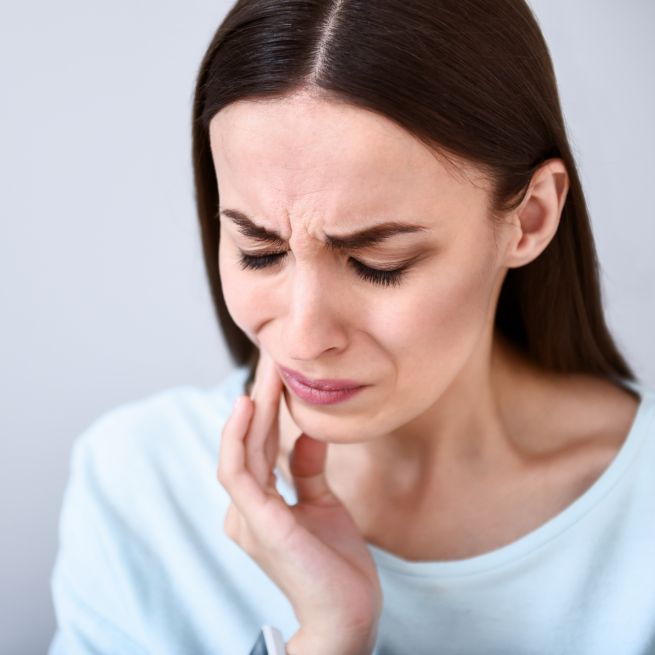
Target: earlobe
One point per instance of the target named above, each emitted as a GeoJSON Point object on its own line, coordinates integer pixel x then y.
{"type": "Point", "coordinates": [540, 212]}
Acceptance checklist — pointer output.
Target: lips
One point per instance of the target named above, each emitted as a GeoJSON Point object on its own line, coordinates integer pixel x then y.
{"type": "Point", "coordinates": [323, 384]}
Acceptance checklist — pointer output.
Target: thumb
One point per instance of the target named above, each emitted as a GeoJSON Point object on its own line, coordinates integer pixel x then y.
{"type": "Point", "coordinates": [307, 467]}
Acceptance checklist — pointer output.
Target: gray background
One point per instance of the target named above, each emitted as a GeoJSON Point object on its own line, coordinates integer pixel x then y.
{"type": "Point", "coordinates": [102, 292]}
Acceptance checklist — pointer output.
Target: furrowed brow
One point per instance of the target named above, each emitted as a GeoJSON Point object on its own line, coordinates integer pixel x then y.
{"type": "Point", "coordinates": [356, 241]}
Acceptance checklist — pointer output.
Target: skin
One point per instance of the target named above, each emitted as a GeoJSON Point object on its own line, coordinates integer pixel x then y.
{"type": "Point", "coordinates": [312, 550]}
{"type": "Point", "coordinates": [455, 424]}
{"type": "Point", "coordinates": [458, 444]}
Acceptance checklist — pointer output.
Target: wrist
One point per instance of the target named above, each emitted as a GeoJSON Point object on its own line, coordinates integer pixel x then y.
{"type": "Point", "coordinates": [306, 642]}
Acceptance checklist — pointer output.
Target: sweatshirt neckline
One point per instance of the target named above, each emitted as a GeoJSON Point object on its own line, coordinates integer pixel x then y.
{"type": "Point", "coordinates": [534, 539]}
{"type": "Point", "coordinates": [547, 531]}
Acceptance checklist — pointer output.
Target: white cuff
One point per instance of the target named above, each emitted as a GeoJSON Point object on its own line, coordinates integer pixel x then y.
{"type": "Point", "coordinates": [274, 640]}
{"type": "Point", "coordinates": [269, 642]}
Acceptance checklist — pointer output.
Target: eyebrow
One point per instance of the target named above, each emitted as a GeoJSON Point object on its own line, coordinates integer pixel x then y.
{"type": "Point", "coordinates": [355, 241]}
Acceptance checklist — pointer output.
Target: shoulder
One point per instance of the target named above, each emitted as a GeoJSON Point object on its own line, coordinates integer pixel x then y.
{"type": "Point", "coordinates": [587, 411]}
{"type": "Point", "coordinates": [607, 411]}
{"type": "Point", "coordinates": [138, 461]}
{"type": "Point", "coordinates": [604, 424]}
{"type": "Point", "coordinates": [132, 469]}
{"type": "Point", "coordinates": [159, 426]}
{"type": "Point", "coordinates": [139, 530]}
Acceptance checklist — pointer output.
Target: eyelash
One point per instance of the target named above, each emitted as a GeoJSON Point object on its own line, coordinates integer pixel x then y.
{"type": "Point", "coordinates": [373, 275]}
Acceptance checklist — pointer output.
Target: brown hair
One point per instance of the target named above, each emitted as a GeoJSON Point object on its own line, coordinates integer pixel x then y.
{"type": "Point", "coordinates": [469, 77]}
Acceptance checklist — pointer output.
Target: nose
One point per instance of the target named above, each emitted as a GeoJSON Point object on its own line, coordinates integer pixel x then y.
{"type": "Point", "coordinates": [315, 320]}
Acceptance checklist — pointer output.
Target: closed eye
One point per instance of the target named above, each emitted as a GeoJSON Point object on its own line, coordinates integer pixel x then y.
{"type": "Point", "coordinates": [373, 275]}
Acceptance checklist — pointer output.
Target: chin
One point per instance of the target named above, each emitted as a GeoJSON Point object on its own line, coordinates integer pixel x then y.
{"type": "Point", "coordinates": [330, 438]}
{"type": "Point", "coordinates": [322, 430]}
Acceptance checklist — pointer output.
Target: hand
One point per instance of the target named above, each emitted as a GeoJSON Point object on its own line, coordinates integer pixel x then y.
{"type": "Point", "coordinates": [313, 550]}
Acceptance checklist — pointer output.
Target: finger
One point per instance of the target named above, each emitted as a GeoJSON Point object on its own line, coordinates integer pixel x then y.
{"type": "Point", "coordinates": [307, 466]}
{"type": "Point", "coordinates": [272, 444]}
{"type": "Point", "coordinates": [232, 471]}
{"type": "Point", "coordinates": [237, 421]}
{"type": "Point", "coordinates": [262, 441]}
{"type": "Point", "coordinates": [248, 496]}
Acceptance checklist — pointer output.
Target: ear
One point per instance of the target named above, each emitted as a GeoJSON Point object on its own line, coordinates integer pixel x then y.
{"type": "Point", "coordinates": [539, 214]}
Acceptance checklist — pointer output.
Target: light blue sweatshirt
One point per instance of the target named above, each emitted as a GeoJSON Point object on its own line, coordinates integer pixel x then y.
{"type": "Point", "coordinates": [144, 565]}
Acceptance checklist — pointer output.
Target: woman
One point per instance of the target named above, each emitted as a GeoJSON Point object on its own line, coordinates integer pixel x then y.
{"type": "Point", "coordinates": [401, 261]}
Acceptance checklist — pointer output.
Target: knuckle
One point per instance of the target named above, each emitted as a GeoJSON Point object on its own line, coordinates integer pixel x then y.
{"type": "Point", "coordinates": [226, 475]}
{"type": "Point", "coordinates": [228, 528]}
{"type": "Point", "coordinates": [221, 476]}
{"type": "Point", "coordinates": [237, 530]}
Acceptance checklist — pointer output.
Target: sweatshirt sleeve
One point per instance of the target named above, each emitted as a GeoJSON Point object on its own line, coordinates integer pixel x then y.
{"type": "Point", "coordinates": [92, 606]}
{"type": "Point", "coordinates": [143, 562]}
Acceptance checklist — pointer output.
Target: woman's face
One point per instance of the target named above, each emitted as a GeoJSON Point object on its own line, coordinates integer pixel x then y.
{"type": "Point", "coordinates": [308, 168]}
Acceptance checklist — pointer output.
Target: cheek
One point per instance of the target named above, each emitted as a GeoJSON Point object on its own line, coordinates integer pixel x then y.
{"type": "Point", "coordinates": [437, 328]}
{"type": "Point", "coordinates": [460, 302]}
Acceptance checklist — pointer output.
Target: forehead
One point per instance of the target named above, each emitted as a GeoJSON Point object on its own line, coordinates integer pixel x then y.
{"type": "Point", "coordinates": [319, 156]}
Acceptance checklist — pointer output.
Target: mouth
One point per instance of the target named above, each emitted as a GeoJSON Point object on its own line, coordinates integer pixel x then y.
{"type": "Point", "coordinates": [322, 384]}
{"type": "Point", "coordinates": [323, 391]}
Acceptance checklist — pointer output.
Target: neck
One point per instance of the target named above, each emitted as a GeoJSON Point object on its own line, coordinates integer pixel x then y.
{"type": "Point", "coordinates": [482, 423]}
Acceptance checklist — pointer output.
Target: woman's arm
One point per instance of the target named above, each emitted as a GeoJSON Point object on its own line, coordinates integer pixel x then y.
{"type": "Point", "coordinates": [313, 551]}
